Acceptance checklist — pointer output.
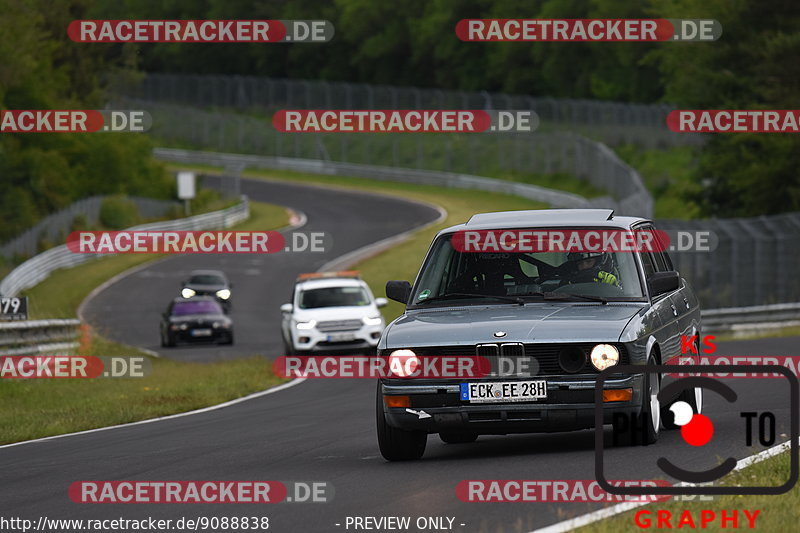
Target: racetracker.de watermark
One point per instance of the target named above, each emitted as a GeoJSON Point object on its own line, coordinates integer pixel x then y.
{"type": "Point", "coordinates": [74, 121]}
{"type": "Point", "coordinates": [200, 31]}
{"type": "Point", "coordinates": [72, 367]}
{"type": "Point", "coordinates": [593, 30]}
{"type": "Point", "coordinates": [734, 121]}
{"type": "Point", "coordinates": [404, 121]}
{"type": "Point", "coordinates": [397, 365]}
{"type": "Point", "coordinates": [196, 242]}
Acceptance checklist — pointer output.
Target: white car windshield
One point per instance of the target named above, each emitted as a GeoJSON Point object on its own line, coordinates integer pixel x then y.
{"type": "Point", "coordinates": [332, 297]}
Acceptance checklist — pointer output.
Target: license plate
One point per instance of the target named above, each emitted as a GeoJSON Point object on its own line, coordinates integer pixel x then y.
{"type": "Point", "coordinates": [341, 337]}
{"type": "Point", "coordinates": [200, 333]}
{"type": "Point", "coordinates": [503, 391]}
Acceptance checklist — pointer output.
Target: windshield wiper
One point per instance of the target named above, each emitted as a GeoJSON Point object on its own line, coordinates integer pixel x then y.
{"type": "Point", "coordinates": [567, 295]}
{"type": "Point", "coordinates": [450, 295]}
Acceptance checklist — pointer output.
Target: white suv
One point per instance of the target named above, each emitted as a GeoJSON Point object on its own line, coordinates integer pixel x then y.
{"type": "Point", "coordinates": [331, 311]}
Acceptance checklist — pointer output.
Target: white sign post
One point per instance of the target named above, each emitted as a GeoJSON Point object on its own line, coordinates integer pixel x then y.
{"type": "Point", "coordinates": [186, 188]}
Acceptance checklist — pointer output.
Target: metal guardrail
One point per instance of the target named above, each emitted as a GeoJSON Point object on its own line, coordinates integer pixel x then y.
{"type": "Point", "coordinates": [31, 337]}
{"type": "Point", "coordinates": [56, 225]}
{"type": "Point", "coordinates": [408, 175]}
{"type": "Point", "coordinates": [495, 154]}
{"type": "Point", "coordinates": [746, 320]}
{"type": "Point", "coordinates": [39, 267]}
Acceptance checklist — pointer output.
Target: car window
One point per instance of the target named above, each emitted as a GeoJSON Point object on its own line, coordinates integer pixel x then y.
{"type": "Point", "coordinates": [204, 307]}
{"type": "Point", "coordinates": [648, 264]}
{"type": "Point", "coordinates": [332, 297]}
{"type": "Point", "coordinates": [448, 271]}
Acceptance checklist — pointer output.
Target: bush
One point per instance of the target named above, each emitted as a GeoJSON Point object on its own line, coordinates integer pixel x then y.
{"type": "Point", "coordinates": [118, 212]}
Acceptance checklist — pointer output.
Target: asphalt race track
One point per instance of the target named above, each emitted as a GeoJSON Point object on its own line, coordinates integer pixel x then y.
{"type": "Point", "coordinates": [324, 430]}
{"type": "Point", "coordinates": [130, 310]}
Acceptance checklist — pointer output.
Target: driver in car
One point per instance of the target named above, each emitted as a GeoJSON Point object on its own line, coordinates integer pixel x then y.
{"type": "Point", "coordinates": [593, 267]}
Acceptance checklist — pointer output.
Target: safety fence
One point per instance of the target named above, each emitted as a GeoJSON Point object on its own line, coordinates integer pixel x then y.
{"type": "Point", "coordinates": [56, 227]}
{"type": "Point", "coordinates": [752, 263]}
{"type": "Point", "coordinates": [39, 267]}
{"type": "Point", "coordinates": [609, 122]}
{"type": "Point", "coordinates": [518, 158]}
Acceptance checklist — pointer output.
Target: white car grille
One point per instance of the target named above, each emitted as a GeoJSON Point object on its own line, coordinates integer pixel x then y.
{"type": "Point", "coordinates": [339, 325]}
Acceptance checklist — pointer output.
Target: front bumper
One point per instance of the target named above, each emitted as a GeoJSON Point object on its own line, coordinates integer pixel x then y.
{"type": "Point", "coordinates": [569, 405]}
{"type": "Point", "coordinates": [217, 335]}
{"type": "Point", "coordinates": [315, 341]}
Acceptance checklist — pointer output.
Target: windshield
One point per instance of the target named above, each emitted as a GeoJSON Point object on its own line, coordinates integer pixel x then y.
{"type": "Point", "coordinates": [332, 297]}
{"type": "Point", "coordinates": [447, 271]}
{"type": "Point", "coordinates": [196, 308]}
{"type": "Point", "coordinates": [206, 279]}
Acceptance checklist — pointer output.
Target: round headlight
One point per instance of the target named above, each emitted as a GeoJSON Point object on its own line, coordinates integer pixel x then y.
{"type": "Point", "coordinates": [604, 356]}
{"type": "Point", "coordinates": [403, 363]}
{"type": "Point", "coordinates": [223, 294]}
{"type": "Point", "coordinates": [187, 292]}
{"type": "Point", "coordinates": [571, 359]}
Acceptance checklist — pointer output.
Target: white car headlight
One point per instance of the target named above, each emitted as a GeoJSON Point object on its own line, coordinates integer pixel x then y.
{"type": "Point", "coordinates": [372, 320]}
{"type": "Point", "coordinates": [604, 356]}
{"type": "Point", "coordinates": [187, 292]}
{"type": "Point", "coordinates": [223, 294]}
{"type": "Point", "coordinates": [307, 325]}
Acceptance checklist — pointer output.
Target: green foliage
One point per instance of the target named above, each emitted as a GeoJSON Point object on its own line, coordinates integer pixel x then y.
{"type": "Point", "coordinates": [118, 212]}
{"type": "Point", "coordinates": [42, 69]}
{"type": "Point", "coordinates": [753, 66]}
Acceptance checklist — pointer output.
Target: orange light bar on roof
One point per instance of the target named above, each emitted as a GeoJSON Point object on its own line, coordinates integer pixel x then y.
{"type": "Point", "coordinates": [322, 275]}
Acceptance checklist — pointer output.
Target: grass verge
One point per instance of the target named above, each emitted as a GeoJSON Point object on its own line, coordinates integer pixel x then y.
{"type": "Point", "coordinates": [667, 174]}
{"type": "Point", "coordinates": [777, 513]}
{"type": "Point", "coordinates": [34, 408]}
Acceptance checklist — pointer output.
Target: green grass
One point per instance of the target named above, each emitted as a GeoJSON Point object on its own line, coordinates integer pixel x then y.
{"type": "Point", "coordinates": [33, 408]}
{"type": "Point", "coordinates": [667, 174]}
{"type": "Point", "coordinates": [778, 513]}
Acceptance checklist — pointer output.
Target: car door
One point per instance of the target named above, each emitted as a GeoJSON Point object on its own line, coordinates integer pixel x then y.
{"type": "Point", "coordinates": [668, 335]}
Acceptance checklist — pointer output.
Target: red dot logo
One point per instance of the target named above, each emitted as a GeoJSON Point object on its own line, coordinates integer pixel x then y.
{"type": "Point", "coordinates": [696, 429]}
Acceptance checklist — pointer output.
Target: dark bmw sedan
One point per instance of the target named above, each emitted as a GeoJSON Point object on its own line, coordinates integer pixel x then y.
{"type": "Point", "coordinates": [196, 319]}
{"type": "Point", "coordinates": [566, 315]}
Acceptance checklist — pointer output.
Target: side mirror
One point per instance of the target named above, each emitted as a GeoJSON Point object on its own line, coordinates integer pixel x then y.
{"type": "Point", "coordinates": [287, 308]}
{"type": "Point", "coordinates": [663, 282]}
{"type": "Point", "coordinates": [399, 291]}
{"type": "Point", "coordinates": [381, 302]}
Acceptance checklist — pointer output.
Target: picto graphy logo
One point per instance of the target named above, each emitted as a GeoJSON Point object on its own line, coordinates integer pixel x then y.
{"type": "Point", "coordinates": [697, 429]}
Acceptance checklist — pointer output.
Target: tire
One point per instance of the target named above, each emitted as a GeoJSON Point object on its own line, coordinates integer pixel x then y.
{"type": "Point", "coordinates": [648, 424]}
{"type": "Point", "coordinates": [229, 340]}
{"type": "Point", "coordinates": [458, 437]}
{"type": "Point", "coordinates": [287, 349]}
{"type": "Point", "coordinates": [397, 444]}
{"type": "Point", "coordinates": [170, 342]}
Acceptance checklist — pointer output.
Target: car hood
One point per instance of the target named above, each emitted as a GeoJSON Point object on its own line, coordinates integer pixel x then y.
{"type": "Point", "coordinates": [549, 322]}
{"type": "Point", "coordinates": [177, 319]}
{"type": "Point", "coordinates": [205, 288]}
{"type": "Point", "coordinates": [336, 313]}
